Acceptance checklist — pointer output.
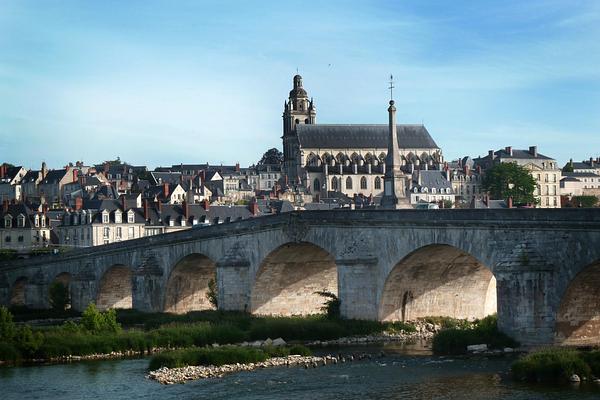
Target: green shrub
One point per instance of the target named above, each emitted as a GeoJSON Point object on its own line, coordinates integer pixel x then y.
{"type": "Point", "coordinates": [332, 304]}
{"type": "Point", "coordinates": [95, 321]}
{"type": "Point", "coordinates": [59, 296]}
{"type": "Point", "coordinates": [300, 350]}
{"type": "Point", "coordinates": [207, 356]}
{"type": "Point", "coordinates": [27, 341]}
{"type": "Point", "coordinates": [484, 331]}
{"type": "Point", "coordinates": [551, 365]}
{"type": "Point", "coordinates": [7, 326]}
{"type": "Point", "coordinates": [211, 294]}
{"type": "Point", "coordinates": [9, 352]}
{"type": "Point", "coordinates": [592, 359]}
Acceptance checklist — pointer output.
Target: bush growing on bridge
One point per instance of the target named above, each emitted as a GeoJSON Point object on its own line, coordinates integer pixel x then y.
{"type": "Point", "coordinates": [211, 294]}
{"type": "Point", "coordinates": [332, 304]}
{"type": "Point", "coordinates": [59, 296]}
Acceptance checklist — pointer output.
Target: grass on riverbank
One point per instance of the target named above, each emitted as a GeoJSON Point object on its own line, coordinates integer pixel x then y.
{"type": "Point", "coordinates": [556, 365]}
{"type": "Point", "coordinates": [222, 355]}
{"type": "Point", "coordinates": [455, 340]}
{"type": "Point", "coordinates": [177, 331]}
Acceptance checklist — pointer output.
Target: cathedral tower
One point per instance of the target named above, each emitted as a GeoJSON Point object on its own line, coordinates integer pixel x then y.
{"type": "Point", "coordinates": [298, 109]}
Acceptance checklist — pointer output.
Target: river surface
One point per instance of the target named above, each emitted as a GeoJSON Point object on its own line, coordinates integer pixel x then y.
{"type": "Point", "coordinates": [405, 373]}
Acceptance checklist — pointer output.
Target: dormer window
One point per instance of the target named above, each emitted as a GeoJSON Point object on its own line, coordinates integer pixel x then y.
{"type": "Point", "coordinates": [21, 221]}
{"type": "Point", "coordinates": [130, 217]}
{"type": "Point", "coordinates": [105, 217]}
{"type": "Point", "coordinates": [182, 221]}
{"type": "Point", "coordinates": [118, 217]}
{"type": "Point", "coordinates": [433, 190]}
{"type": "Point", "coordinates": [43, 221]}
{"type": "Point", "coordinates": [36, 220]}
{"type": "Point", "coordinates": [171, 222]}
{"type": "Point", "coordinates": [8, 221]}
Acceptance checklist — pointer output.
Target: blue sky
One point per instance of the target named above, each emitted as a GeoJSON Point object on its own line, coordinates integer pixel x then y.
{"type": "Point", "coordinates": [163, 82]}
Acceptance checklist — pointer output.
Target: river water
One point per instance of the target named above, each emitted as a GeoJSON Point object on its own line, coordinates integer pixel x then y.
{"type": "Point", "coordinates": [405, 373]}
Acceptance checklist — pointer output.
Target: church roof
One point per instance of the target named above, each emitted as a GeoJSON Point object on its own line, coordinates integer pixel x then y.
{"type": "Point", "coordinates": [362, 136]}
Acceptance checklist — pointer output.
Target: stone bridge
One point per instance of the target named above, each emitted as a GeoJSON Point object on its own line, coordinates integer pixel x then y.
{"type": "Point", "coordinates": [538, 269]}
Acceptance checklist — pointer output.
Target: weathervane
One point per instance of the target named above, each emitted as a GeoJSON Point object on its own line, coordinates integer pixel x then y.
{"type": "Point", "coordinates": [391, 87]}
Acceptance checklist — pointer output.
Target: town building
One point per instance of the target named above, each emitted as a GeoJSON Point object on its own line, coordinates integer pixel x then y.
{"type": "Point", "coordinates": [23, 229]}
{"type": "Point", "coordinates": [543, 169]}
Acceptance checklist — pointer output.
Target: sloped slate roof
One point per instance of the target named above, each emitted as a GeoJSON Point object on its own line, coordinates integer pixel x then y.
{"type": "Point", "coordinates": [434, 179]}
{"type": "Point", "coordinates": [362, 136]}
{"type": "Point", "coordinates": [521, 154]}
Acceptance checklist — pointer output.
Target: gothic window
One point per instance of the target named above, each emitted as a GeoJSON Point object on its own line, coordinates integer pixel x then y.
{"type": "Point", "coordinates": [349, 183]}
{"type": "Point", "coordinates": [363, 183]}
{"type": "Point", "coordinates": [317, 185]}
{"type": "Point", "coordinates": [377, 182]}
{"type": "Point", "coordinates": [334, 184]}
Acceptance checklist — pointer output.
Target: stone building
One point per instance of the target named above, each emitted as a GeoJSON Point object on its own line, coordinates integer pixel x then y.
{"type": "Point", "coordinates": [23, 229]}
{"type": "Point", "coordinates": [10, 182]}
{"type": "Point", "coordinates": [346, 158]}
{"type": "Point", "coordinates": [542, 168]}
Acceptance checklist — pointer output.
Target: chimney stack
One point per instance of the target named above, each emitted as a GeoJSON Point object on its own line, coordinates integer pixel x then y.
{"type": "Point", "coordinates": [591, 162]}
{"type": "Point", "coordinates": [166, 190]}
{"type": "Point", "coordinates": [146, 211]}
{"type": "Point", "coordinates": [5, 205]}
{"type": "Point", "coordinates": [205, 204]}
{"type": "Point", "coordinates": [186, 209]}
{"type": "Point", "coordinates": [78, 203]}
{"type": "Point", "coordinates": [253, 207]}
{"type": "Point", "coordinates": [510, 202]}
{"type": "Point", "coordinates": [237, 167]}
{"type": "Point", "coordinates": [2, 171]}
{"type": "Point", "coordinates": [533, 150]}
{"type": "Point", "coordinates": [491, 154]}
{"type": "Point", "coordinates": [509, 150]}
{"type": "Point", "coordinates": [75, 175]}
{"type": "Point", "coordinates": [123, 203]}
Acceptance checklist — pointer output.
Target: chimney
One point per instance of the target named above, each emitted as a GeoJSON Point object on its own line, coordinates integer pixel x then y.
{"type": "Point", "coordinates": [5, 205]}
{"type": "Point", "coordinates": [166, 190]}
{"type": "Point", "coordinates": [448, 174]}
{"type": "Point", "coordinates": [2, 167]}
{"type": "Point", "coordinates": [75, 175]}
{"type": "Point", "coordinates": [237, 167]}
{"type": "Point", "coordinates": [533, 150]}
{"type": "Point", "coordinates": [510, 202]}
{"type": "Point", "coordinates": [186, 209]}
{"type": "Point", "coordinates": [106, 167]}
{"type": "Point", "coordinates": [253, 207]}
{"type": "Point", "coordinates": [78, 203]}
{"type": "Point", "coordinates": [205, 204]}
{"type": "Point", "coordinates": [45, 208]}
{"type": "Point", "coordinates": [146, 211]}
{"type": "Point", "coordinates": [509, 149]}
{"type": "Point", "coordinates": [491, 154]}
{"type": "Point", "coordinates": [591, 162]}
{"type": "Point", "coordinates": [123, 202]}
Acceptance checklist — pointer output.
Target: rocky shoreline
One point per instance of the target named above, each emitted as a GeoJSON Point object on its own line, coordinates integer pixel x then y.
{"type": "Point", "coordinates": [170, 376]}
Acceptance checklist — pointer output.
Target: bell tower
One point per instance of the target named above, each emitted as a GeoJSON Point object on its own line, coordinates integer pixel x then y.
{"type": "Point", "coordinates": [297, 110]}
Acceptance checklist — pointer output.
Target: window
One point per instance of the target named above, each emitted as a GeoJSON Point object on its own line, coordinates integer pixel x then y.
{"type": "Point", "coordinates": [130, 217]}
{"type": "Point", "coordinates": [432, 190]}
{"type": "Point", "coordinates": [317, 185]}
{"type": "Point", "coordinates": [363, 183]}
{"type": "Point", "coordinates": [377, 183]}
{"type": "Point", "coordinates": [131, 232]}
{"type": "Point", "coordinates": [119, 232]}
{"type": "Point", "coordinates": [349, 183]}
{"type": "Point", "coordinates": [7, 239]}
{"type": "Point", "coordinates": [334, 184]}
{"type": "Point", "coordinates": [8, 222]}
{"type": "Point", "coordinates": [118, 218]}
{"type": "Point", "coordinates": [106, 232]}
{"type": "Point", "coordinates": [36, 220]}
{"type": "Point", "coordinates": [105, 217]}
{"type": "Point", "coordinates": [43, 221]}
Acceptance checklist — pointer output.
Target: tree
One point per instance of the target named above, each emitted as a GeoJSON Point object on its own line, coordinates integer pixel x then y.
{"type": "Point", "coordinates": [8, 328]}
{"type": "Point", "coordinates": [59, 296]}
{"type": "Point", "coordinates": [271, 156]}
{"type": "Point", "coordinates": [506, 180]}
{"type": "Point", "coordinates": [584, 201]}
{"type": "Point", "coordinates": [211, 294]}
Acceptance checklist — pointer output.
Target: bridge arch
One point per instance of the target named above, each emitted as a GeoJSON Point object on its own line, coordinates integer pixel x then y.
{"type": "Point", "coordinates": [578, 316]}
{"type": "Point", "coordinates": [288, 278]}
{"type": "Point", "coordinates": [438, 280]}
{"type": "Point", "coordinates": [116, 288]}
{"type": "Point", "coordinates": [17, 293]}
{"type": "Point", "coordinates": [188, 282]}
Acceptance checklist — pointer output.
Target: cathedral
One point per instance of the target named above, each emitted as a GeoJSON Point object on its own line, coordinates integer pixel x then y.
{"type": "Point", "coordinates": [350, 159]}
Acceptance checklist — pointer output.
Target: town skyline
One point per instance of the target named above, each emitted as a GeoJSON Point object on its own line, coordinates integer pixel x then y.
{"type": "Point", "coordinates": [120, 83]}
